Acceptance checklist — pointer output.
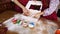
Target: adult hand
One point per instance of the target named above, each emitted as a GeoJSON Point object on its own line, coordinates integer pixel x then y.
{"type": "Point", "coordinates": [26, 12]}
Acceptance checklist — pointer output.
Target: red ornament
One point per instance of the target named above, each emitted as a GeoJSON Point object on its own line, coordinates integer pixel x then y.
{"type": "Point", "coordinates": [57, 31]}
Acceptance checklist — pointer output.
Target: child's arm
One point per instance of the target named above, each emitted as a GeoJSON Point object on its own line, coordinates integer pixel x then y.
{"type": "Point", "coordinates": [25, 11]}
{"type": "Point", "coordinates": [52, 7]}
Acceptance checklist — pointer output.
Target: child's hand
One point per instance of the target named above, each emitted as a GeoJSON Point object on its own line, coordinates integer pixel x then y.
{"type": "Point", "coordinates": [38, 14]}
{"type": "Point", "coordinates": [26, 12]}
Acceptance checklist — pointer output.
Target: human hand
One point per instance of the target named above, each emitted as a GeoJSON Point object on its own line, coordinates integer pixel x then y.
{"type": "Point", "coordinates": [26, 12]}
{"type": "Point", "coordinates": [38, 14]}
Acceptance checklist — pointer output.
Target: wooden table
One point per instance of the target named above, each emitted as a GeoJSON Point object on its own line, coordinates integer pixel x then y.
{"type": "Point", "coordinates": [43, 26]}
{"type": "Point", "coordinates": [8, 14]}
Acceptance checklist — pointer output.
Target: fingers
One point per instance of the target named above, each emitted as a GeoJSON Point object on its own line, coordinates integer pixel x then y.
{"type": "Point", "coordinates": [38, 14]}
{"type": "Point", "coordinates": [26, 13]}
{"type": "Point", "coordinates": [41, 13]}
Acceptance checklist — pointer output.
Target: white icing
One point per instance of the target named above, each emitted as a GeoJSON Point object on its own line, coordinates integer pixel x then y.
{"type": "Point", "coordinates": [31, 26]}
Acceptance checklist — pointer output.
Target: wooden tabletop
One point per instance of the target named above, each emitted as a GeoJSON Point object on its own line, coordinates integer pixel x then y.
{"type": "Point", "coordinates": [8, 14]}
